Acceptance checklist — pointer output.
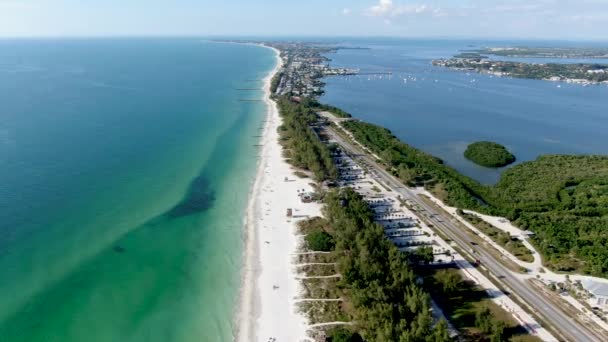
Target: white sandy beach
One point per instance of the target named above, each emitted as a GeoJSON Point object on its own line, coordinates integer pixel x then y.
{"type": "Point", "coordinates": [267, 311]}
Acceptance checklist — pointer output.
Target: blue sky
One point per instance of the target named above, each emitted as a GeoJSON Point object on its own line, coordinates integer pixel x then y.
{"type": "Point", "coordinates": [556, 19]}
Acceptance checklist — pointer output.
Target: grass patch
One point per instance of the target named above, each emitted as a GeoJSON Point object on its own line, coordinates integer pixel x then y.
{"type": "Point", "coordinates": [314, 258]}
{"type": "Point", "coordinates": [313, 224]}
{"type": "Point", "coordinates": [504, 239]}
{"type": "Point", "coordinates": [324, 311]}
{"type": "Point", "coordinates": [320, 288]}
{"type": "Point", "coordinates": [301, 174]}
{"type": "Point", "coordinates": [318, 270]}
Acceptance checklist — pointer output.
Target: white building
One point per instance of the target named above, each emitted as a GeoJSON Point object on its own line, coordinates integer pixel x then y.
{"type": "Point", "coordinates": [598, 292]}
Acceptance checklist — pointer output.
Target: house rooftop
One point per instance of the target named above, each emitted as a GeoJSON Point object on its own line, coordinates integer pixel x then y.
{"type": "Point", "coordinates": [596, 288]}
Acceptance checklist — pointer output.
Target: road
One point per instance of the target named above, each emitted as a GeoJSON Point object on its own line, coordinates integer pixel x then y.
{"type": "Point", "coordinates": [549, 312]}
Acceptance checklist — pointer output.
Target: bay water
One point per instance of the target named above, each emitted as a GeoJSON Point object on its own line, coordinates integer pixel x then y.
{"type": "Point", "coordinates": [441, 111]}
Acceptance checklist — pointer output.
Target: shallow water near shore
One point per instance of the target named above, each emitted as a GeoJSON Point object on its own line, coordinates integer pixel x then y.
{"type": "Point", "coordinates": [125, 168]}
{"type": "Point", "coordinates": [442, 111]}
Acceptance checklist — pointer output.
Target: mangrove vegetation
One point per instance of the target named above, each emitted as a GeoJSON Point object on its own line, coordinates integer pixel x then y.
{"type": "Point", "coordinates": [561, 198]}
{"type": "Point", "coordinates": [489, 154]}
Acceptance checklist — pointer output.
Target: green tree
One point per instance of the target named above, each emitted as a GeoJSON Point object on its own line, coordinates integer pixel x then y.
{"type": "Point", "coordinates": [424, 254]}
{"type": "Point", "coordinates": [387, 304]}
{"type": "Point", "coordinates": [319, 241]}
{"type": "Point", "coordinates": [440, 332]}
{"type": "Point", "coordinates": [498, 331]}
{"type": "Point", "coordinates": [483, 320]}
{"type": "Point", "coordinates": [449, 280]}
{"type": "Point", "coordinates": [343, 335]}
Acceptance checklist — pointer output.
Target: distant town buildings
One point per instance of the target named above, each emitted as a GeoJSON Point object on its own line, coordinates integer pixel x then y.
{"type": "Point", "coordinates": [304, 65]}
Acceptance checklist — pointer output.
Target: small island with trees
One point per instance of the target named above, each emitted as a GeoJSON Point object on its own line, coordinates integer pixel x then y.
{"type": "Point", "coordinates": [489, 154]}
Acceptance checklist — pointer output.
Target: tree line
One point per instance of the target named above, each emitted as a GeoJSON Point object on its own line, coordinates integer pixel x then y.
{"type": "Point", "coordinates": [562, 198]}
{"type": "Point", "coordinates": [302, 145]}
{"type": "Point", "coordinates": [377, 278]}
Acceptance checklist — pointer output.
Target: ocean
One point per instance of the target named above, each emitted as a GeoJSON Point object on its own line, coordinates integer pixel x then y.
{"type": "Point", "coordinates": [125, 168]}
{"type": "Point", "coordinates": [442, 111]}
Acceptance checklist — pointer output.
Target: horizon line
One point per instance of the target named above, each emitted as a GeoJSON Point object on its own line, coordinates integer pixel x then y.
{"type": "Point", "coordinates": [295, 37]}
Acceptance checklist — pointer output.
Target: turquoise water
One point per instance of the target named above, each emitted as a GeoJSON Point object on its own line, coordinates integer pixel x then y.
{"type": "Point", "coordinates": [125, 167]}
{"type": "Point", "coordinates": [441, 111]}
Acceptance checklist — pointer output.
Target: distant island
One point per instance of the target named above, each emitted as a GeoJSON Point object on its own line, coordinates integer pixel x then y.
{"type": "Point", "coordinates": [543, 52]}
{"type": "Point", "coordinates": [585, 74]}
{"type": "Point", "coordinates": [581, 73]}
{"type": "Point", "coordinates": [489, 154]}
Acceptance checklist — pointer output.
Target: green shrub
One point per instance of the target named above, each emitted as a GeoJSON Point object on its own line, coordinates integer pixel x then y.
{"type": "Point", "coordinates": [319, 241]}
{"type": "Point", "coordinates": [343, 335]}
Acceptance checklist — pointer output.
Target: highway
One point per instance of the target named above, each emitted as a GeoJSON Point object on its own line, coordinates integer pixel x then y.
{"type": "Point", "coordinates": [547, 310]}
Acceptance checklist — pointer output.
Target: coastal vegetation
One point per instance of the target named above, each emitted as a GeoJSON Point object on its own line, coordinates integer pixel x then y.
{"type": "Point", "coordinates": [302, 145]}
{"type": "Point", "coordinates": [489, 154]}
{"type": "Point", "coordinates": [275, 82]}
{"type": "Point", "coordinates": [562, 199]}
{"type": "Point", "coordinates": [417, 168]}
{"type": "Point", "coordinates": [328, 108]}
{"type": "Point", "coordinates": [344, 335]}
{"type": "Point", "coordinates": [377, 287]}
{"type": "Point", "coordinates": [377, 294]}
{"type": "Point", "coordinates": [470, 309]}
{"type": "Point", "coordinates": [319, 240]}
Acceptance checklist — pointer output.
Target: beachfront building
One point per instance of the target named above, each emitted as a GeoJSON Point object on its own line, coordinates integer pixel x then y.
{"type": "Point", "coordinates": [598, 293]}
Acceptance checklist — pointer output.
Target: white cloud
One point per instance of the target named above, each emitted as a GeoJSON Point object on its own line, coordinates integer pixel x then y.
{"type": "Point", "coordinates": [414, 9]}
{"type": "Point", "coordinates": [383, 8]}
{"type": "Point", "coordinates": [387, 8]}
{"type": "Point", "coordinates": [347, 11]}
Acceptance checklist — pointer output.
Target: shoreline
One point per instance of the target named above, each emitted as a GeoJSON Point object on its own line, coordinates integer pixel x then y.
{"type": "Point", "coordinates": [245, 310]}
{"type": "Point", "coordinates": [268, 284]}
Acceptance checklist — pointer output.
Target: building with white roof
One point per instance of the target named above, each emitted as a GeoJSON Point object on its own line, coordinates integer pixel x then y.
{"type": "Point", "coordinates": [598, 293]}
